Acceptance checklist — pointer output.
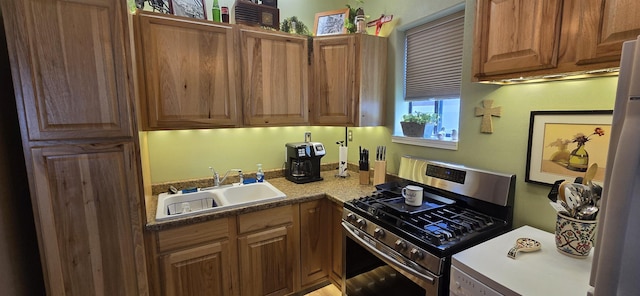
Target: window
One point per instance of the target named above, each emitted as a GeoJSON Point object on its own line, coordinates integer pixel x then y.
{"type": "Point", "coordinates": [433, 72]}
{"type": "Point", "coordinates": [447, 110]}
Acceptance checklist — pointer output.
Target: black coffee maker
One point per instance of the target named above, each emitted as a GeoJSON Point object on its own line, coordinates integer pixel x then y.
{"type": "Point", "coordinates": [303, 162]}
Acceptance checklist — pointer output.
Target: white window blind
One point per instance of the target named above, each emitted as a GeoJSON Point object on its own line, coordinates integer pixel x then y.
{"type": "Point", "coordinates": [433, 59]}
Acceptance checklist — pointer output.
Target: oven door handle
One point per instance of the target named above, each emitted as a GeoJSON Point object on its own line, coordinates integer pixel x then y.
{"type": "Point", "coordinates": [388, 258]}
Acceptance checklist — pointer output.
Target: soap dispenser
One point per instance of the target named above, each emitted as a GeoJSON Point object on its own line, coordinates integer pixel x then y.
{"type": "Point", "coordinates": [260, 173]}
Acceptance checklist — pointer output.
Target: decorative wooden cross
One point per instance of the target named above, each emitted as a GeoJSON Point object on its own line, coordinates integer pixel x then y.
{"type": "Point", "coordinates": [383, 19]}
{"type": "Point", "coordinates": [486, 113]}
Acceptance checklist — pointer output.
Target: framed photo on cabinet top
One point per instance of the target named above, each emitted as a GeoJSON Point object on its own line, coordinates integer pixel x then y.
{"type": "Point", "coordinates": [564, 144]}
{"type": "Point", "coordinates": [331, 22]}
{"type": "Point", "coordinates": [189, 8]}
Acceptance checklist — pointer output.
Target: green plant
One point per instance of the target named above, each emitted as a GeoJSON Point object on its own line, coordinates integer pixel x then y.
{"type": "Point", "coordinates": [421, 118]}
{"type": "Point", "coordinates": [350, 24]}
{"type": "Point", "coordinates": [293, 25]}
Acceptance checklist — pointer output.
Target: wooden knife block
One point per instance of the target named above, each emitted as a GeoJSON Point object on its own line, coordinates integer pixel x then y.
{"type": "Point", "coordinates": [364, 177]}
{"type": "Point", "coordinates": [379, 172]}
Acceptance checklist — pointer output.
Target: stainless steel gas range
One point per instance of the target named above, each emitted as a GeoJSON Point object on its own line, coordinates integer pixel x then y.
{"type": "Point", "coordinates": [391, 248]}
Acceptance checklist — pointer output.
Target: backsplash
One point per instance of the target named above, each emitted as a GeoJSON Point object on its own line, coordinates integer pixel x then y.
{"type": "Point", "coordinates": [233, 178]}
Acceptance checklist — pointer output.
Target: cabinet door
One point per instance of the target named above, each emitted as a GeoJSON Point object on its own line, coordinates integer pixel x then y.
{"type": "Point", "coordinates": [267, 261]}
{"type": "Point", "coordinates": [334, 80]}
{"type": "Point", "coordinates": [314, 242]}
{"type": "Point", "coordinates": [88, 213]}
{"type": "Point", "coordinates": [516, 36]}
{"type": "Point", "coordinates": [336, 244]}
{"type": "Point", "coordinates": [70, 67]}
{"type": "Point", "coordinates": [275, 69]}
{"type": "Point", "coordinates": [203, 270]}
{"type": "Point", "coordinates": [188, 73]}
{"type": "Point", "coordinates": [604, 26]}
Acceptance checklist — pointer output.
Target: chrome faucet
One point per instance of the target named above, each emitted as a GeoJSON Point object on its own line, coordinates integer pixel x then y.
{"type": "Point", "coordinates": [216, 176]}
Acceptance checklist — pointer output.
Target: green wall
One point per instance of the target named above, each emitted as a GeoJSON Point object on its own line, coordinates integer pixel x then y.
{"type": "Point", "coordinates": [178, 155]}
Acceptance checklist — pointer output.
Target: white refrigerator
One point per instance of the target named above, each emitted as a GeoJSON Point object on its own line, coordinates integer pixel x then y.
{"type": "Point", "coordinates": [616, 262]}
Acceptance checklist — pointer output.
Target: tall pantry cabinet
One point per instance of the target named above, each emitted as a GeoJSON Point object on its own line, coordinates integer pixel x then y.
{"type": "Point", "coordinates": [70, 62]}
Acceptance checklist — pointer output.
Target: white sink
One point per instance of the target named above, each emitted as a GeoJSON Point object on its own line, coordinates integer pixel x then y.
{"type": "Point", "coordinates": [250, 194]}
{"type": "Point", "coordinates": [172, 206]}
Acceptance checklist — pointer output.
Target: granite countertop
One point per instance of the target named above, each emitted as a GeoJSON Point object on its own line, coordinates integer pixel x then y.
{"type": "Point", "coordinates": [336, 189]}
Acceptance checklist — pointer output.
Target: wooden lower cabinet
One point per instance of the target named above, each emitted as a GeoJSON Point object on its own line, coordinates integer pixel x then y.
{"type": "Point", "coordinates": [88, 216]}
{"type": "Point", "coordinates": [198, 259]}
{"type": "Point", "coordinates": [267, 262]}
{"type": "Point", "coordinates": [314, 242]}
{"type": "Point", "coordinates": [278, 251]}
{"type": "Point", "coordinates": [336, 239]}
{"type": "Point", "coordinates": [202, 270]}
{"type": "Point", "coordinates": [268, 252]}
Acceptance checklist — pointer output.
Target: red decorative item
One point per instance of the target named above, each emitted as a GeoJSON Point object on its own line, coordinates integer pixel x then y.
{"type": "Point", "coordinates": [383, 19]}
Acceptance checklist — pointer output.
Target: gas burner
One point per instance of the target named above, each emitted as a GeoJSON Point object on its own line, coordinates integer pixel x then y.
{"type": "Point", "coordinates": [436, 222]}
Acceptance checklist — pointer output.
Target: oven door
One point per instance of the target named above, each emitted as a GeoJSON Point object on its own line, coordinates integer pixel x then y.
{"type": "Point", "coordinates": [373, 268]}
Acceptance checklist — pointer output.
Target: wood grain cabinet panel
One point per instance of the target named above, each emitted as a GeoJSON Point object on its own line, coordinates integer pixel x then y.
{"type": "Point", "coordinates": [314, 242]}
{"type": "Point", "coordinates": [516, 36]}
{"type": "Point", "coordinates": [188, 73]}
{"type": "Point", "coordinates": [268, 264]}
{"type": "Point", "coordinates": [336, 244]}
{"type": "Point", "coordinates": [204, 270]}
{"type": "Point", "coordinates": [604, 26]}
{"type": "Point", "coordinates": [72, 79]}
{"type": "Point", "coordinates": [275, 82]}
{"type": "Point", "coordinates": [88, 208]}
{"type": "Point", "coordinates": [349, 80]}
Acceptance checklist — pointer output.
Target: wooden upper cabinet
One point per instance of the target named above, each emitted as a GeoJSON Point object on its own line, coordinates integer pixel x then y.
{"type": "Point", "coordinates": [515, 36]}
{"type": "Point", "coordinates": [88, 207]}
{"type": "Point", "coordinates": [349, 80]}
{"type": "Point", "coordinates": [604, 26]}
{"type": "Point", "coordinates": [70, 67]}
{"type": "Point", "coordinates": [188, 73]}
{"type": "Point", "coordinates": [275, 78]}
{"type": "Point", "coordinates": [539, 38]}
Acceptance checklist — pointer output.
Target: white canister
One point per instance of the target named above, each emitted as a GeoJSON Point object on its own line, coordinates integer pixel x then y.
{"type": "Point", "coordinates": [412, 195]}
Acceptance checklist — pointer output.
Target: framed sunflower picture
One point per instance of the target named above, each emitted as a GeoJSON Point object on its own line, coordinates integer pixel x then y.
{"type": "Point", "coordinates": [563, 144]}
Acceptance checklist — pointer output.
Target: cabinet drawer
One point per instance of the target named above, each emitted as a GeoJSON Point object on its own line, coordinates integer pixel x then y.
{"type": "Point", "coordinates": [192, 234]}
{"type": "Point", "coordinates": [264, 219]}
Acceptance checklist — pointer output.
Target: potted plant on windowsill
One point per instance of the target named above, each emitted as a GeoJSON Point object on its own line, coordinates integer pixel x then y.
{"type": "Point", "coordinates": [413, 124]}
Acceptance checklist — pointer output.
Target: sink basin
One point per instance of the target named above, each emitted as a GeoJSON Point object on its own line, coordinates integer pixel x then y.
{"type": "Point", "coordinates": [172, 206]}
{"type": "Point", "coordinates": [250, 194]}
{"type": "Point", "coordinates": [180, 205]}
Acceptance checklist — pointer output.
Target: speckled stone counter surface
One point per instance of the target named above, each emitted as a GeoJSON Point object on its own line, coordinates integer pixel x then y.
{"type": "Point", "coordinates": [336, 189]}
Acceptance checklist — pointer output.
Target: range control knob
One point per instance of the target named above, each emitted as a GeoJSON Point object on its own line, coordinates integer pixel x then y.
{"type": "Point", "coordinates": [361, 223]}
{"type": "Point", "coordinates": [351, 217]}
{"type": "Point", "coordinates": [416, 254]}
{"type": "Point", "coordinates": [400, 245]}
{"type": "Point", "coordinates": [378, 233]}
